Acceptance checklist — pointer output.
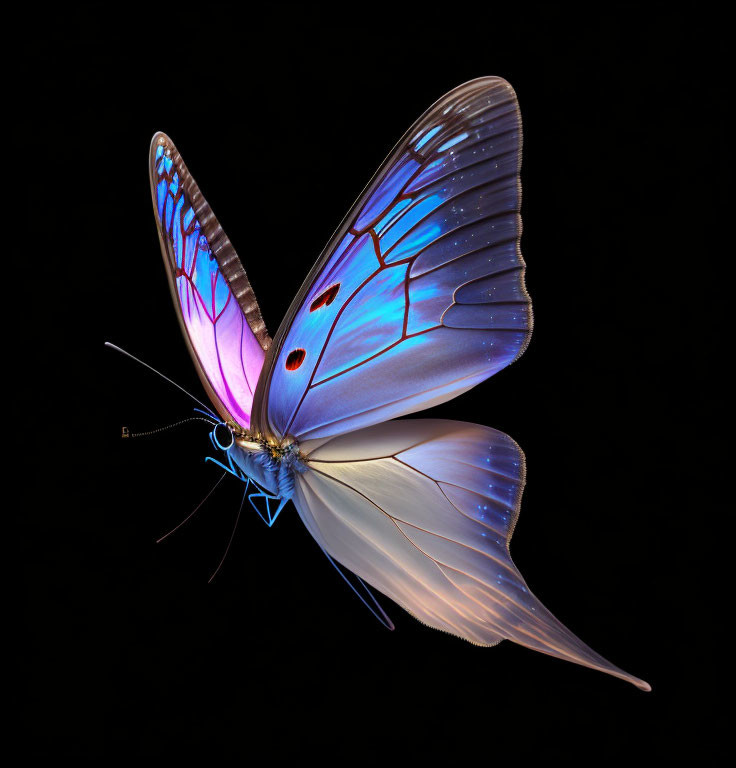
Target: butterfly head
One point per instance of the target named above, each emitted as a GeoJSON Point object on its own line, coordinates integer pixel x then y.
{"type": "Point", "coordinates": [223, 436]}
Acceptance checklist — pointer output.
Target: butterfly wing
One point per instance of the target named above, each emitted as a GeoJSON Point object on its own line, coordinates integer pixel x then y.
{"type": "Point", "coordinates": [423, 510]}
{"type": "Point", "coordinates": [213, 298]}
{"type": "Point", "coordinates": [420, 293]}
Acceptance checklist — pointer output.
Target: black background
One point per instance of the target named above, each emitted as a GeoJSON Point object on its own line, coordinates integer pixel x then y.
{"type": "Point", "coordinates": [282, 117]}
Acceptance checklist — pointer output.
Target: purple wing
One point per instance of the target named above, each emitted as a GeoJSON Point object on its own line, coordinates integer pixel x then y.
{"type": "Point", "coordinates": [214, 300]}
{"type": "Point", "coordinates": [420, 293]}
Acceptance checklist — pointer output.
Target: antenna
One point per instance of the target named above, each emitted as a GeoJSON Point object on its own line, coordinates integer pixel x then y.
{"type": "Point", "coordinates": [151, 368]}
{"type": "Point", "coordinates": [127, 433]}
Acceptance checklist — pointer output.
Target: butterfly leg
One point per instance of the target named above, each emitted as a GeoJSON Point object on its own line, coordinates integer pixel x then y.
{"type": "Point", "coordinates": [269, 518]}
{"type": "Point", "coordinates": [234, 471]}
{"type": "Point", "coordinates": [361, 589]}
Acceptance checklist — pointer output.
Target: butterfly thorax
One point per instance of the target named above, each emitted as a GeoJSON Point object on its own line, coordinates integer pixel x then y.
{"type": "Point", "coordinates": [271, 465]}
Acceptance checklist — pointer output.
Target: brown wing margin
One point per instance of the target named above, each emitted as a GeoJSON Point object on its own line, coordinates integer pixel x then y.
{"type": "Point", "coordinates": [219, 243]}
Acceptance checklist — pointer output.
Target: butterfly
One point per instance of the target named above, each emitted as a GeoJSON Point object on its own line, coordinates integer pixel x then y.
{"type": "Point", "coordinates": [418, 296]}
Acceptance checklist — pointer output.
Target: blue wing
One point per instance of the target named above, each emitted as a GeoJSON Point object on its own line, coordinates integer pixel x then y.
{"type": "Point", "coordinates": [420, 293]}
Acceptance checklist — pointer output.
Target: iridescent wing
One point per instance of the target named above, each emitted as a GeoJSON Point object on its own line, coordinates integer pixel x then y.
{"type": "Point", "coordinates": [213, 298]}
{"type": "Point", "coordinates": [420, 293]}
{"type": "Point", "coordinates": [423, 510]}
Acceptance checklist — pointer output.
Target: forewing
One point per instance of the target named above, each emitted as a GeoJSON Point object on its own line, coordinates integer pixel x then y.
{"type": "Point", "coordinates": [213, 298]}
{"type": "Point", "coordinates": [423, 510]}
{"type": "Point", "coordinates": [420, 293]}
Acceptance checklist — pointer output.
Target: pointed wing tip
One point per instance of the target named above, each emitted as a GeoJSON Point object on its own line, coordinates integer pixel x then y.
{"type": "Point", "coordinates": [642, 685]}
{"type": "Point", "coordinates": [160, 139]}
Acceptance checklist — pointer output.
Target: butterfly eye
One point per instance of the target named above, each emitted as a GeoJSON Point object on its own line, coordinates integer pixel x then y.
{"type": "Point", "coordinates": [325, 298]}
{"type": "Point", "coordinates": [295, 359]}
{"type": "Point", "coordinates": [223, 436]}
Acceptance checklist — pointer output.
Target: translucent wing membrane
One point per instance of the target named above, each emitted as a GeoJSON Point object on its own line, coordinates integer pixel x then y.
{"type": "Point", "coordinates": [212, 295]}
{"type": "Point", "coordinates": [423, 510]}
{"type": "Point", "coordinates": [420, 294]}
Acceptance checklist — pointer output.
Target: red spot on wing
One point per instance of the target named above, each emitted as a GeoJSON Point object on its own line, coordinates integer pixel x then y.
{"type": "Point", "coordinates": [325, 298]}
{"type": "Point", "coordinates": [295, 359]}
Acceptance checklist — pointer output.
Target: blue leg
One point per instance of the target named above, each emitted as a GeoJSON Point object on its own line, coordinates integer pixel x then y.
{"type": "Point", "coordinates": [377, 611]}
{"type": "Point", "coordinates": [270, 518]}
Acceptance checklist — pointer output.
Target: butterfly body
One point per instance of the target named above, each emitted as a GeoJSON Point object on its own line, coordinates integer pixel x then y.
{"type": "Point", "coordinates": [271, 466]}
{"type": "Point", "coordinates": [418, 296]}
